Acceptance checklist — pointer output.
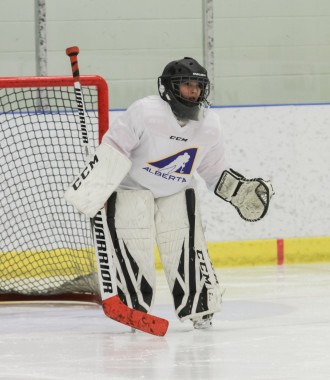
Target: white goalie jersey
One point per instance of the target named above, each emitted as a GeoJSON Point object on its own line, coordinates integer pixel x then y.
{"type": "Point", "coordinates": [165, 155]}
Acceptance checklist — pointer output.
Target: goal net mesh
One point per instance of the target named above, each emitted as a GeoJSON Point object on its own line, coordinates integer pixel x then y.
{"type": "Point", "coordinates": [46, 247]}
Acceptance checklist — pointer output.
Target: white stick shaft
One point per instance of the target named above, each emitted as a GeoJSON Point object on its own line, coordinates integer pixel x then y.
{"type": "Point", "coordinates": [101, 236]}
{"type": "Point", "coordinates": [82, 117]}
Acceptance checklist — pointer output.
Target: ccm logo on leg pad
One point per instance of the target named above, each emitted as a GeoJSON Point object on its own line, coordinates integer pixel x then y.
{"type": "Point", "coordinates": [84, 174]}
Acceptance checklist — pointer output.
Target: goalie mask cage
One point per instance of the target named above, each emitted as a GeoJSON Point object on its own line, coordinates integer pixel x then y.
{"type": "Point", "coordinates": [46, 247]}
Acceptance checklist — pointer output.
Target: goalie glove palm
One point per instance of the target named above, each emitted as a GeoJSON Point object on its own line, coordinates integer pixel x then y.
{"type": "Point", "coordinates": [250, 197]}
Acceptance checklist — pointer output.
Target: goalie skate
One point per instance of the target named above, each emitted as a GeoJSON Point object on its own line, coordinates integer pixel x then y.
{"type": "Point", "coordinates": [203, 323]}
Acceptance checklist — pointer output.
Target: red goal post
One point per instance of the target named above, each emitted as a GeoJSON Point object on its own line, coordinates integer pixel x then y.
{"type": "Point", "coordinates": [46, 251]}
{"type": "Point", "coordinates": [67, 81]}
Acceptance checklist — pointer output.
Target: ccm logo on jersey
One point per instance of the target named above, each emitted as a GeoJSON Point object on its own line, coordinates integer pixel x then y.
{"type": "Point", "coordinates": [178, 138]}
{"type": "Point", "coordinates": [84, 174]}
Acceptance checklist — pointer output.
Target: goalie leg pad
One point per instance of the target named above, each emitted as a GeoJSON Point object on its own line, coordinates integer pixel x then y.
{"type": "Point", "coordinates": [185, 258]}
{"type": "Point", "coordinates": [130, 218]}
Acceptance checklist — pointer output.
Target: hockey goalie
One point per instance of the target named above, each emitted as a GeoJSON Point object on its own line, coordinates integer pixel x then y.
{"type": "Point", "coordinates": [144, 173]}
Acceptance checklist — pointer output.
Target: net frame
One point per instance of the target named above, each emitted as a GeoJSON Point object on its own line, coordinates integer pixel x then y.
{"type": "Point", "coordinates": [103, 123]}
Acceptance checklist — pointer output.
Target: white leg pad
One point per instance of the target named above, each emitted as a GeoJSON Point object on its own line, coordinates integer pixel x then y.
{"type": "Point", "coordinates": [130, 217]}
{"type": "Point", "coordinates": [183, 251]}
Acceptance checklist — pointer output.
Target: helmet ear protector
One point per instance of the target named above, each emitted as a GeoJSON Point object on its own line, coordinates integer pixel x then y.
{"type": "Point", "coordinates": [174, 75]}
{"type": "Point", "coordinates": [162, 89]}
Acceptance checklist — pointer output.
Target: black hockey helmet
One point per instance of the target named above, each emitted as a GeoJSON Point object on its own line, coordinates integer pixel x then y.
{"type": "Point", "coordinates": [177, 73]}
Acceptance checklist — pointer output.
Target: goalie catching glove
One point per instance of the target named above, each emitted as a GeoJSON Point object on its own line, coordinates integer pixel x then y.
{"type": "Point", "coordinates": [250, 197]}
{"type": "Point", "coordinates": [98, 180]}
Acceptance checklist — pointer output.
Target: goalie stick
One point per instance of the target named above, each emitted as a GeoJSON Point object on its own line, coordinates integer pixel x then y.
{"type": "Point", "coordinates": [113, 307]}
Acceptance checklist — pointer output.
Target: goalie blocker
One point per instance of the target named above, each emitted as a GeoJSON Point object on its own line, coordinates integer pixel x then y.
{"type": "Point", "coordinates": [250, 197]}
{"type": "Point", "coordinates": [98, 180]}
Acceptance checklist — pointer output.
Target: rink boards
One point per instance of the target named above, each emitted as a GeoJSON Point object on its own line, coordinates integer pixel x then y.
{"type": "Point", "coordinates": [223, 254]}
{"type": "Point", "coordinates": [295, 161]}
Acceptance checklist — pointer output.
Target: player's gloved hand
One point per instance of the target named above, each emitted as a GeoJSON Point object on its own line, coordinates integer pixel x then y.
{"type": "Point", "coordinates": [250, 197]}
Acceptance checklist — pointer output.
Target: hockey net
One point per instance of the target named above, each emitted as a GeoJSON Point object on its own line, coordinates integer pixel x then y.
{"type": "Point", "coordinates": [46, 249]}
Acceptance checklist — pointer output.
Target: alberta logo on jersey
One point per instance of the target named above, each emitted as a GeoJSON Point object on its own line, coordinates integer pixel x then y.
{"type": "Point", "coordinates": [180, 163]}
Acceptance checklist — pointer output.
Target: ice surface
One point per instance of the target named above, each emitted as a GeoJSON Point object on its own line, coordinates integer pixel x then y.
{"type": "Point", "coordinates": [275, 324]}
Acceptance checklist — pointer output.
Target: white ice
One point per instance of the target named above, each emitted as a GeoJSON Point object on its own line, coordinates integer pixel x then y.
{"type": "Point", "coordinates": [275, 324]}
